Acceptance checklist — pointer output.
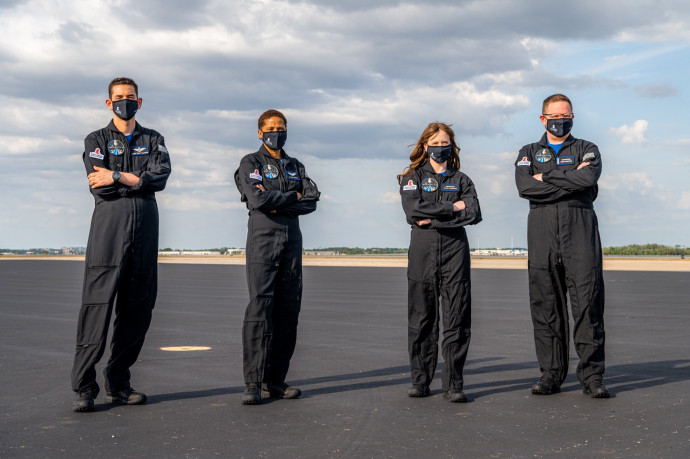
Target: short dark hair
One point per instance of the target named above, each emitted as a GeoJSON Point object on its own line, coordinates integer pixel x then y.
{"type": "Point", "coordinates": [555, 98]}
{"type": "Point", "coordinates": [270, 114]}
{"type": "Point", "coordinates": [122, 81]}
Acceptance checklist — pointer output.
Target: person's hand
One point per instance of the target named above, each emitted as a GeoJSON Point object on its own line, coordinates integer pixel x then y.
{"type": "Point", "coordinates": [426, 221]}
{"type": "Point", "coordinates": [102, 177]}
{"type": "Point", "coordinates": [586, 163]}
{"type": "Point", "coordinates": [458, 206]}
{"type": "Point", "coordinates": [261, 187]}
{"type": "Point", "coordinates": [538, 177]}
{"type": "Point", "coordinates": [299, 195]}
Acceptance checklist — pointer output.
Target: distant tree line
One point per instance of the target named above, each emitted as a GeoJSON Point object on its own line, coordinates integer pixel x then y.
{"type": "Point", "coordinates": [646, 249]}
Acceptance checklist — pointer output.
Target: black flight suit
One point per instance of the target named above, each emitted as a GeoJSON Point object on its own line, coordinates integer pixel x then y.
{"type": "Point", "coordinates": [438, 266]}
{"type": "Point", "coordinates": [274, 260]}
{"type": "Point", "coordinates": [121, 256]}
{"type": "Point", "coordinates": [564, 255]}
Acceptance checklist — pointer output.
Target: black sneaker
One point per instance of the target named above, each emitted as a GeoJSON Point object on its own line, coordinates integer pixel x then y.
{"type": "Point", "coordinates": [126, 397]}
{"type": "Point", "coordinates": [279, 390]}
{"type": "Point", "coordinates": [455, 396]}
{"type": "Point", "coordinates": [84, 401]}
{"type": "Point", "coordinates": [545, 386]}
{"type": "Point", "coordinates": [418, 391]}
{"type": "Point", "coordinates": [252, 394]}
{"type": "Point", "coordinates": [596, 389]}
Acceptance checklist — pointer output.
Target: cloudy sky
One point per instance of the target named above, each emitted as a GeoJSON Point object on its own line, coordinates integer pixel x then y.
{"type": "Point", "coordinates": [358, 80]}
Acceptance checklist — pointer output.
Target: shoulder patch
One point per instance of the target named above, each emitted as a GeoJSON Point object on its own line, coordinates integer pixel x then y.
{"type": "Point", "coordinates": [256, 175]}
{"type": "Point", "coordinates": [162, 148]}
{"type": "Point", "coordinates": [410, 186]}
{"type": "Point", "coordinates": [96, 154]}
{"type": "Point", "coordinates": [588, 156]}
{"type": "Point", "coordinates": [524, 162]}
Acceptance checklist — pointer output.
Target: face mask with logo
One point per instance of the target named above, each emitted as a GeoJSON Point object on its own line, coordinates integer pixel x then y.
{"type": "Point", "coordinates": [274, 139]}
{"type": "Point", "coordinates": [125, 108]}
{"type": "Point", "coordinates": [439, 153]}
{"type": "Point", "coordinates": [560, 127]}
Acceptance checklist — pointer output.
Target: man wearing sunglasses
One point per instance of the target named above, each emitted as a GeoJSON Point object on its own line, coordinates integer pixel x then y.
{"type": "Point", "coordinates": [558, 175]}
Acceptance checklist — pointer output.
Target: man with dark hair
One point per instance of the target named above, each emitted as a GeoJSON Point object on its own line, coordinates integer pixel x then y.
{"type": "Point", "coordinates": [126, 164]}
{"type": "Point", "coordinates": [558, 175]}
{"type": "Point", "coordinates": [277, 190]}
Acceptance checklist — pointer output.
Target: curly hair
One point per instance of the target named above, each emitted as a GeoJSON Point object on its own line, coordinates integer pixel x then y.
{"type": "Point", "coordinates": [268, 114]}
{"type": "Point", "coordinates": [419, 156]}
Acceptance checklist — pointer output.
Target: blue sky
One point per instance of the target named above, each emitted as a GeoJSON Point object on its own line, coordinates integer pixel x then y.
{"type": "Point", "coordinates": [358, 82]}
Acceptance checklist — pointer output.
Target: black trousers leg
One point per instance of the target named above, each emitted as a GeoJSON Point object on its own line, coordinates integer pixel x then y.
{"type": "Point", "coordinates": [456, 305]}
{"type": "Point", "coordinates": [586, 289]}
{"type": "Point", "coordinates": [422, 330]}
{"type": "Point", "coordinates": [547, 291]}
{"type": "Point", "coordinates": [286, 308]}
{"type": "Point", "coordinates": [136, 299]}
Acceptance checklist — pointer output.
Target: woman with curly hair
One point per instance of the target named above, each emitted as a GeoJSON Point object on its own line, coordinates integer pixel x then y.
{"type": "Point", "coordinates": [438, 201]}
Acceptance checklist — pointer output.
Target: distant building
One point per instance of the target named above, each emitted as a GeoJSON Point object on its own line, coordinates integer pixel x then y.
{"type": "Point", "coordinates": [192, 253]}
{"type": "Point", "coordinates": [321, 253]}
{"type": "Point", "coordinates": [500, 252]}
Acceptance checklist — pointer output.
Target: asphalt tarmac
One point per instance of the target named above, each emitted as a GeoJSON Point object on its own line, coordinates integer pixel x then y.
{"type": "Point", "coordinates": [351, 363]}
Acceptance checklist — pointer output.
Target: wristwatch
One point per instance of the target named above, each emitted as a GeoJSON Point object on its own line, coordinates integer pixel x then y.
{"type": "Point", "coordinates": [116, 176]}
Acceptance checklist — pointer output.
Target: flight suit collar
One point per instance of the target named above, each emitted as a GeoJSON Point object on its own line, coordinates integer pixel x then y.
{"type": "Point", "coordinates": [545, 143]}
{"type": "Point", "coordinates": [427, 167]}
{"type": "Point", "coordinates": [264, 151]}
{"type": "Point", "coordinates": [111, 127]}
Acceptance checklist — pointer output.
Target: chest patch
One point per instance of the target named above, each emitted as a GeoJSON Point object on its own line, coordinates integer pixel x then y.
{"type": "Point", "coordinates": [543, 156]}
{"type": "Point", "coordinates": [139, 150]}
{"type": "Point", "coordinates": [292, 175]}
{"type": "Point", "coordinates": [270, 171]}
{"type": "Point", "coordinates": [116, 147]}
{"type": "Point", "coordinates": [450, 187]}
{"type": "Point", "coordinates": [565, 160]}
{"type": "Point", "coordinates": [256, 175]}
{"type": "Point", "coordinates": [429, 184]}
{"type": "Point", "coordinates": [410, 186]}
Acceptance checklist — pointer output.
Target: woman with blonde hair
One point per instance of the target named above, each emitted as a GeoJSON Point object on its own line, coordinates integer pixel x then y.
{"type": "Point", "coordinates": [438, 201]}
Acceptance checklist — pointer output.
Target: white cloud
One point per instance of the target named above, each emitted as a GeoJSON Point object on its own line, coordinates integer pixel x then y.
{"type": "Point", "coordinates": [632, 134]}
{"type": "Point", "coordinates": [684, 201]}
{"type": "Point", "coordinates": [639, 182]}
{"type": "Point", "coordinates": [390, 197]}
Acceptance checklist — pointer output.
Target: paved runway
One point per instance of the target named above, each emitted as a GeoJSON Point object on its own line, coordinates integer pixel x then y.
{"type": "Point", "coordinates": [351, 362]}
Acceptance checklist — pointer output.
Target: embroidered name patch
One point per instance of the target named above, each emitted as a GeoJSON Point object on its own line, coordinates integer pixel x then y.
{"type": "Point", "coordinates": [256, 175]}
{"type": "Point", "coordinates": [292, 175]}
{"type": "Point", "coordinates": [139, 150]}
{"type": "Point", "coordinates": [524, 162]}
{"type": "Point", "coordinates": [565, 160]}
{"type": "Point", "coordinates": [96, 154]}
{"type": "Point", "coordinates": [450, 187]}
{"type": "Point", "coordinates": [409, 186]}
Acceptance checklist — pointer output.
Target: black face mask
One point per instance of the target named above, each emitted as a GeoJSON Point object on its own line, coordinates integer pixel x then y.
{"type": "Point", "coordinates": [560, 127]}
{"type": "Point", "coordinates": [274, 139]}
{"type": "Point", "coordinates": [125, 109]}
{"type": "Point", "coordinates": [439, 153]}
